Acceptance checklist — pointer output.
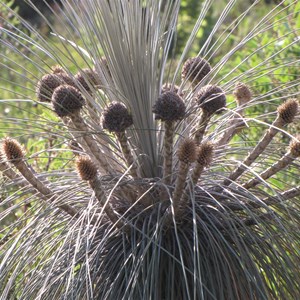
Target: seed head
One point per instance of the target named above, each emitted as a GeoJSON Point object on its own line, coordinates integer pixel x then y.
{"type": "Point", "coordinates": [116, 117]}
{"type": "Point", "coordinates": [46, 87]}
{"type": "Point", "coordinates": [205, 154]}
{"type": "Point", "coordinates": [88, 78]}
{"type": "Point", "coordinates": [195, 69]}
{"type": "Point", "coordinates": [242, 93]}
{"type": "Point", "coordinates": [169, 107]}
{"type": "Point", "coordinates": [67, 100]}
{"type": "Point", "coordinates": [295, 147]}
{"type": "Point", "coordinates": [211, 98]}
{"type": "Point", "coordinates": [12, 149]}
{"type": "Point", "coordinates": [187, 151]}
{"type": "Point", "coordinates": [86, 169]}
{"type": "Point", "coordinates": [288, 110]}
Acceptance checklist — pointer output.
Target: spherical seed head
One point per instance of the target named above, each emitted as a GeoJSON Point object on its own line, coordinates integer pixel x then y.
{"type": "Point", "coordinates": [195, 69]}
{"type": "Point", "coordinates": [187, 151]}
{"type": "Point", "coordinates": [242, 93]}
{"type": "Point", "coordinates": [86, 169]}
{"type": "Point", "coordinates": [295, 146]}
{"type": "Point", "coordinates": [211, 98]}
{"type": "Point", "coordinates": [288, 110]}
{"type": "Point", "coordinates": [46, 87]}
{"type": "Point", "coordinates": [67, 100]}
{"type": "Point", "coordinates": [88, 78]}
{"type": "Point", "coordinates": [116, 117]}
{"type": "Point", "coordinates": [12, 149]}
{"type": "Point", "coordinates": [169, 107]}
{"type": "Point", "coordinates": [205, 154]}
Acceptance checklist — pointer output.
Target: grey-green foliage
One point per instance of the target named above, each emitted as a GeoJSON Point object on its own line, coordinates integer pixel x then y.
{"type": "Point", "coordinates": [229, 242]}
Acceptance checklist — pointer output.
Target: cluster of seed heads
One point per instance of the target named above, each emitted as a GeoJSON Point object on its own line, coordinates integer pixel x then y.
{"type": "Point", "coordinates": [181, 168]}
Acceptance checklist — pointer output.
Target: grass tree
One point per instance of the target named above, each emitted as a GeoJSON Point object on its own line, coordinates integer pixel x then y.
{"type": "Point", "coordinates": [163, 193]}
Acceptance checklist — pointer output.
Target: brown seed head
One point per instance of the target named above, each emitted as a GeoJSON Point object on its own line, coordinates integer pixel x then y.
{"type": "Point", "coordinates": [187, 151]}
{"type": "Point", "coordinates": [242, 93]}
{"type": "Point", "coordinates": [288, 110]}
{"type": "Point", "coordinates": [86, 169]}
{"type": "Point", "coordinates": [12, 150]}
{"type": "Point", "coordinates": [46, 87]}
{"type": "Point", "coordinates": [116, 117]}
{"type": "Point", "coordinates": [88, 79]}
{"type": "Point", "coordinates": [211, 99]}
{"type": "Point", "coordinates": [169, 107]}
{"type": "Point", "coordinates": [195, 69]}
{"type": "Point", "coordinates": [67, 100]}
{"type": "Point", "coordinates": [205, 154]}
{"type": "Point", "coordinates": [295, 147]}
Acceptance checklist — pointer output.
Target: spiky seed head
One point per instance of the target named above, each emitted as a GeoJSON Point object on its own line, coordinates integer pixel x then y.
{"type": "Point", "coordinates": [86, 169]}
{"type": "Point", "coordinates": [205, 153]}
{"type": "Point", "coordinates": [116, 117]}
{"type": "Point", "coordinates": [211, 99]}
{"type": "Point", "coordinates": [195, 69]}
{"type": "Point", "coordinates": [242, 93]}
{"type": "Point", "coordinates": [187, 151]}
{"type": "Point", "coordinates": [12, 149]}
{"type": "Point", "coordinates": [57, 69]}
{"type": "Point", "coordinates": [67, 100]}
{"type": "Point", "coordinates": [46, 87]}
{"type": "Point", "coordinates": [169, 107]}
{"type": "Point", "coordinates": [88, 78]}
{"type": "Point", "coordinates": [295, 146]}
{"type": "Point", "coordinates": [288, 110]}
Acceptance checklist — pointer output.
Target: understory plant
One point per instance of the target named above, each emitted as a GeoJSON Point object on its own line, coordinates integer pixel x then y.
{"type": "Point", "coordinates": [153, 186]}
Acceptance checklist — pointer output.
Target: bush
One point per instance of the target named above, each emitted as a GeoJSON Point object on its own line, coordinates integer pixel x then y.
{"type": "Point", "coordinates": [168, 200]}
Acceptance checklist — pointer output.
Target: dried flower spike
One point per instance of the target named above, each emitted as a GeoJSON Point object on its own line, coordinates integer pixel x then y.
{"type": "Point", "coordinates": [288, 110]}
{"type": "Point", "coordinates": [67, 100]}
{"type": "Point", "coordinates": [12, 150]}
{"type": "Point", "coordinates": [169, 107]}
{"type": "Point", "coordinates": [295, 147]}
{"type": "Point", "coordinates": [242, 93]}
{"type": "Point", "coordinates": [116, 117]}
{"type": "Point", "coordinates": [204, 159]}
{"type": "Point", "coordinates": [86, 169]}
{"type": "Point", "coordinates": [211, 98]}
{"type": "Point", "coordinates": [187, 152]}
{"type": "Point", "coordinates": [195, 69]}
{"type": "Point", "coordinates": [205, 154]}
